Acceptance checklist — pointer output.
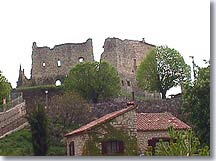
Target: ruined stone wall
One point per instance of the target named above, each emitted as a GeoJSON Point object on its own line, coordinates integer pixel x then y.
{"type": "Point", "coordinates": [49, 65]}
{"type": "Point", "coordinates": [126, 56]}
{"type": "Point", "coordinates": [12, 119]}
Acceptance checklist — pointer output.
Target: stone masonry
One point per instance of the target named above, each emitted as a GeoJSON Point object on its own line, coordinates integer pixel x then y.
{"type": "Point", "coordinates": [12, 119]}
{"type": "Point", "coordinates": [143, 137]}
{"type": "Point", "coordinates": [126, 56]}
{"type": "Point", "coordinates": [50, 65]}
{"type": "Point", "coordinates": [126, 121]}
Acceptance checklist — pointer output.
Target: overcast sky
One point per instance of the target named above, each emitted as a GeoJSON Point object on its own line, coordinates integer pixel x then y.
{"type": "Point", "coordinates": [180, 24]}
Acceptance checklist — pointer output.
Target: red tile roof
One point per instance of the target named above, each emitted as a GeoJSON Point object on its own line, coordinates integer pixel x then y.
{"type": "Point", "coordinates": [101, 120]}
{"type": "Point", "coordinates": [158, 121]}
{"type": "Point", "coordinates": [145, 121]}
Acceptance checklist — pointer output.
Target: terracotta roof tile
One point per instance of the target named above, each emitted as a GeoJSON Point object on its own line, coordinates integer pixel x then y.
{"type": "Point", "coordinates": [158, 121]}
{"type": "Point", "coordinates": [101, 120]}
{"type": "Point", "coordinates": [145, 121]}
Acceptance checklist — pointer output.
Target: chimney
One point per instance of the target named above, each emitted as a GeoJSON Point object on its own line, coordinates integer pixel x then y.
{"type": "Point", "coordinates": [130, 103]}
{"type": "Point", "coordinates": [143, 40]}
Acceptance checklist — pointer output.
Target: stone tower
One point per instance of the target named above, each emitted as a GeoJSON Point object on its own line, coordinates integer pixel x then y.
{"type": "Point", "coordinates": [125, 56]}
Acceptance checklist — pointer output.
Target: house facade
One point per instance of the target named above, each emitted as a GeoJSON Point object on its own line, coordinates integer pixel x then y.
{"type": "Point", "coordinates": [122, 132]}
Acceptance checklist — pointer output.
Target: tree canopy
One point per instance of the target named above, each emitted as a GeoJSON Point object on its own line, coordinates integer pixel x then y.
{"type": "Point", "coordinates": [162, 69]}
{"type": "Point", "coordinates": [5, 88]}
{"type": "Point", "coordinates": [196, 104]}
{"type": "Point", "coordinates": [93, 80]}
{"type": "Point", "coordinates": [38, 124]}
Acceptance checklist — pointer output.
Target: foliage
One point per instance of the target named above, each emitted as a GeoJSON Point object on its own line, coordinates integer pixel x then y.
{"type": "Point", "coordinates": [110, 133]}
{"type": "Point", "coordinates": [196, 105]}
{"type": "Point", "coordinates": [93, 80]}
{"type": "Point", "coordinates": [182, 143]}
{"type": "Point", "coordinates": [38, 87]}
{"type": "Point", "coordinates": [5, 88]}
{"type": "Point", "coordinates": [38, 123]}
{"type": "Point", "coordinates": [68, 108]}
{"type": "Point", "coordinates": [67, 111]}
{"type": "Point", "coordinates": [162, 69]}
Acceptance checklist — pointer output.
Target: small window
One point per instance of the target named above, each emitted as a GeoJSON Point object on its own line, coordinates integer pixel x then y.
{"type": "Point", "coordinates": [71, 149]}
{"type": "Point", "coordinates": [81, 59]}
{"type": "Point", "coordinates": [128, 83]}
{"type": "Point", "coordinates": [58, 83]}
{"type": "Point", "coordinates": [58, 63]}
{"type": "Point", "coordinates": [112, 147]}
{"type": "Point", "coordinates": [122, 83]}
{"type": "Point", "coordinates": [43, 64]}
{"type": "Point", "coordinates": [155, 141]}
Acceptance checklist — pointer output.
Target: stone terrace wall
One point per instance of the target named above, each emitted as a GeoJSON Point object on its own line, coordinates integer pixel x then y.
{"type": "Point", "coordinates": [12, 119]}
{"type": "Point", "coordinates": [172, 105]}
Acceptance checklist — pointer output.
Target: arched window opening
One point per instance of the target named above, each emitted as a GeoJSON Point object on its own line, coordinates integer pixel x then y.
{"type": "Point", "coordinates": [58, 83]}
{"type": "Point", "coordinates": [81, 59]}
{"type": "Point", "coordinates": [58, 63]}
{"type": "Point", "coordinates": [43, 64]}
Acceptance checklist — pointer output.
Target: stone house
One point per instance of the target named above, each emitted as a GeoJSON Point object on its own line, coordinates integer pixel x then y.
{"type": "Point", "coordinates": [122, 132]}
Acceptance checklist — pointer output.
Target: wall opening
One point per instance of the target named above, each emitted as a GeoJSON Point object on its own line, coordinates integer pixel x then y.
{"type": "Point", "coordinates": [81, 59]}
{"type": "Point", "coordinates": [128, 83]}
{"type": "Point", "coordinates": [71, 149]}
{"type": "Point", "coordinates": [43, 64]}
{"type": "Point", "coordinates": [58, 83]}
{"type": "Point", "coordinates": [134, 65]}
{"type": "Point", "coordinates": [58, 63]}
{"type": "Point", "coordinates": [122, 83]}
{"type": "Point", "coordinates": [112, 147]}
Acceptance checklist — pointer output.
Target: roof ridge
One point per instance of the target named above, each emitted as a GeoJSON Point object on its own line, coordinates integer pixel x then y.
{"type": "Point", "coordinates": [101, 120]}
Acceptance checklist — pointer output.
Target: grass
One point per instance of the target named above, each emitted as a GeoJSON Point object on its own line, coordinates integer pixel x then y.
{"type": "Point", "coordinates": [19, 144]}
{"type": "Point", "coordinates": [39, 87]}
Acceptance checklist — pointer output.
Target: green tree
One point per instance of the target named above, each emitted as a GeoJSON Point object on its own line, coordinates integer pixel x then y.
{"type": "Point", "coordinates": [5, 88]}
{"type": "Point", "coordinates": [196, 105]}
{"type": "Point", "coordinates": [162, 69]}
{"type": "Point", "coordinates": [66, 112]}
{"type": "Point", "coordinates": [93, 80]}
{"type": "Point", "coordinates": [38, 123]}
{"type": "Point", "coordinates": [182, 143]}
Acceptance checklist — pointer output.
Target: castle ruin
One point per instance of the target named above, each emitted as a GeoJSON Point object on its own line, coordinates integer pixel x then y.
{"type": "Point", "coordinates": [50, 66]}
{"type": "Point", "coordinates": [126, 56]}
{"type": "Point", "coordinates": [53, 65]}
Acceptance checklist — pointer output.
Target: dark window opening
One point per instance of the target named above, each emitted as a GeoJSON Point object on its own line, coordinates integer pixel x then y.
{"type": "Point", "coordinates": [122, 83]}
{"type": "Point", "coordinates": [155, 141]}
{"type": "Point", "coordinates": [71, 149]}
{"type": "Point", "coordinates": [128, 83]}
{"type": "Point", "coordinates": [81, 59]}
{"type": "Point", "coordinates": [112, 147]}
{"type": "Point", "coordinates": [134, 65]}
{"type": "Point", "coordinates": [58, 63]}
